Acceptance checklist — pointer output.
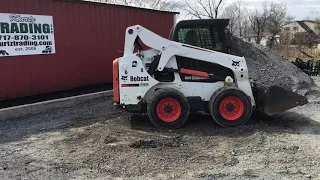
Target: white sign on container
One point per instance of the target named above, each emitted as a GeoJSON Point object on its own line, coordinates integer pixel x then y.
{"type": "Point", "coordinates": [24, 34]}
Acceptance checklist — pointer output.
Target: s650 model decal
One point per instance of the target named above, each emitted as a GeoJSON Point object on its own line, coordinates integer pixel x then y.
{"type": "Point", "coordinates": [135, 85]}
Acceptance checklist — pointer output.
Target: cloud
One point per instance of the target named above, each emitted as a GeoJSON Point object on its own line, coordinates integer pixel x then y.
{"type": "Point", "coordinates": [299, 9]}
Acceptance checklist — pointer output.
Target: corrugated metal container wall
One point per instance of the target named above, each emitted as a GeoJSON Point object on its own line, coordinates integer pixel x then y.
{"type": "Point", "coordinates": [88, 36]}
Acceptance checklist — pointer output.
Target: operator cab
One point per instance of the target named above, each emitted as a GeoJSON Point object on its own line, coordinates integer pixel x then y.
{"type": "Point", "coordinates": [211, 34]}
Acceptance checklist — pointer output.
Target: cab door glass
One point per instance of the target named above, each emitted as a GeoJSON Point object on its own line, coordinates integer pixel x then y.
{"type": "Point", "coordinates": [204, 37]}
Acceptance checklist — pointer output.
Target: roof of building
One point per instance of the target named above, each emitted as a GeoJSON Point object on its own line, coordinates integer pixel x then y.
{"type": "Point", "coordinates": [310, 21]}
{"type": "Point", "coordinates": [98, 2]}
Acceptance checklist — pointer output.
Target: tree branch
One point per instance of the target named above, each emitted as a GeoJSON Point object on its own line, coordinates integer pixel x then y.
{"type": "Point", "coordinates": [216, 10]}
{"type": "Point", "coordinates": [204, 7]}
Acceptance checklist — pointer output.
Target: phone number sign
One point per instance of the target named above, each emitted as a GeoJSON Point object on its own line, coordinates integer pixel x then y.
{"type": "Point", "coordinates": [25, 34]}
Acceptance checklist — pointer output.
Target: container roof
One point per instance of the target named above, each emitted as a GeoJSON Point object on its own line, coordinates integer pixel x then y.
{"type": "Point", "coordinates": [97, 2]}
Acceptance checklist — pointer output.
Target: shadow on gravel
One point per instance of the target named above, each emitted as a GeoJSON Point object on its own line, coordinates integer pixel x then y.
{"type": "Point", "coordinates": [203, 125]}
{"type": "Point", "coordinates": [80, 115]}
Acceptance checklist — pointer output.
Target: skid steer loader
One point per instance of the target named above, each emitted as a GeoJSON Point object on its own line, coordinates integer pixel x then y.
{"type": "Point", "coordinates": [191, 71]}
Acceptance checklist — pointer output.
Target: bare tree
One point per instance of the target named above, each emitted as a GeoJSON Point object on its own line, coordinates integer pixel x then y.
{"type": "Point", "coordinates": [230, 12]}
{"type": "Point", "coordinates": [277, 18]}
{"type": "Point", "coordinates": [258, 22]}
{"type": "Point", "coordinates": [121, 2]}
{"type": "Point", "coordinates": [238, 15]}
{"type": "Point", "coordinates": [203, 8]}
{"type": "Point", "coordinates": [168, 5]}
{"type": "Point", "coordinates": [313, 15]}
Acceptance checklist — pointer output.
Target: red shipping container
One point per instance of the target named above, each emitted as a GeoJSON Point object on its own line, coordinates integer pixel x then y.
{"type": "Point", "coordinates": [88, 37]}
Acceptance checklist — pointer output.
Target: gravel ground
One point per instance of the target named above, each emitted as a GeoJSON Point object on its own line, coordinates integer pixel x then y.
{"type": "Point", "coordinates": [95, 141]}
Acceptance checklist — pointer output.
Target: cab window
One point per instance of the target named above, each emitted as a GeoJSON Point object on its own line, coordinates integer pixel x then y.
{"type": "Point", "coordinates": [204, 37]}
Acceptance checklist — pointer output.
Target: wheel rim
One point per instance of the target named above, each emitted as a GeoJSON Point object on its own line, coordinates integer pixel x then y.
{"type": "Point", "coordinates": [168, 109]}
{"type": "Point", "coordinates": [231, 108]}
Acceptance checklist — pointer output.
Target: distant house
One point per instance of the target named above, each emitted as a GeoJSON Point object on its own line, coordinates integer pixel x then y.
{"type": "Point", "coordinates": [301, 29]}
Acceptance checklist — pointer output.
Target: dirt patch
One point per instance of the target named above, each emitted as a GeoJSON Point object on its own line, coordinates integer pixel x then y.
{"type": "Point", "coordinates": [165, 142]}
{"type": "Point", "coordinates": [110, 140]}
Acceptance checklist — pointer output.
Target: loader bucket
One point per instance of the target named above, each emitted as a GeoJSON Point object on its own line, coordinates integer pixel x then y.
{"type": "Point", "coordinates": [275, 100]}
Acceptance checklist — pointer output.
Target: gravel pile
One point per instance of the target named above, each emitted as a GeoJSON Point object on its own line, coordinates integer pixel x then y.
{"type": "Point", "coordinates": [268, 67]}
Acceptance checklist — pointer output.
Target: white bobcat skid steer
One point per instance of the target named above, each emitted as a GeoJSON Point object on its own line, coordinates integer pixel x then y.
{"type": "Point", "coordinates": [154, 81]}
{"type": "Point", "coordinates": [165, 82]}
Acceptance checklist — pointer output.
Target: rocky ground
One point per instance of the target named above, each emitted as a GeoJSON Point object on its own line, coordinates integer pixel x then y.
{"type": "Point", "coordinates": [268, 67]}
{"type": "Point", "coordinates": [94, 141]}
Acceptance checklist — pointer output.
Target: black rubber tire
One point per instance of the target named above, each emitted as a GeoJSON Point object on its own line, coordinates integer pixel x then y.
{"type": "Point", "coordinates": [165, 93]}
{"type": "Point", "coordinates": [216, 99]}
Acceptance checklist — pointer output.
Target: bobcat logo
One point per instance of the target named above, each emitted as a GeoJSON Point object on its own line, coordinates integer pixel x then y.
{"type": "Point", "coordinates": [124, 78]}
{"type": "Point", "coordinates": [4, 53]}
{"type": "Point", "coordinates": [235, 63]}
